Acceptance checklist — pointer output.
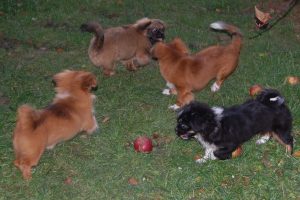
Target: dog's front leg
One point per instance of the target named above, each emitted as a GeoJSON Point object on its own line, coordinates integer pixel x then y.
{"type": "Point", "coordinates": [209, 155]}
{"type": "Point", "coordinates": [92, 125]}
{"type": "Point", "coordinates": [170, 89]}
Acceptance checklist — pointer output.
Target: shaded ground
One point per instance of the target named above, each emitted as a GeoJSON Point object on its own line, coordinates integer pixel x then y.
{"type": "Point", "coordinates": [295, 16]}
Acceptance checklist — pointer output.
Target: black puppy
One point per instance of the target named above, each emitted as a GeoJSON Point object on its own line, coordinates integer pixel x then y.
{"type": "Point", "coordinates": [222, 130]}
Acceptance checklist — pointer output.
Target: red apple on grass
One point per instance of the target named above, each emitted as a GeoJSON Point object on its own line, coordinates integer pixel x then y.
{"type": "Point", "coordinates": [143, 144]}
{"type": "Point", "coordinates": [255, 89]}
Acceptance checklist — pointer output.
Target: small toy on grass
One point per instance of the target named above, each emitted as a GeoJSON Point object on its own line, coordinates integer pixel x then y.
{"type": "Point", "coordinates": [143, 144]}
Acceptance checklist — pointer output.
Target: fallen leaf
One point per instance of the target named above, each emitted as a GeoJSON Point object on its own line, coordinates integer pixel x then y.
{"type": "Point", "coordinates": [292, 80]}
{"type": "Point", "coordinates": [155, 135]}
{"type": "Point", "coordinates": [105, 119]}
{"type": "Point", "coordinates": [133, 181]}
{"type": "Point", "coordinates": [296, 154]}
{"type": "Point", "coordinates": [246, 180]}
{"type": "Point", "coordinates": [197, 157]}
{"type": "Point", "coordinates": [264, 54]}
{"type": "Point", "coordinates": [68, 181]}
{"type": "Point", "coordinates": [2, 13]}
{"type": "Point", "coordinates": [201, 190]}
{"type": "Point", "coordinates": [265, 160]}
{"type": "Point", "coordinates": [59, 50]}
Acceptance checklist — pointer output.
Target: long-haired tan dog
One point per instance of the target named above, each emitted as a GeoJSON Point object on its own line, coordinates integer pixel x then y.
{"type": "Point", "coordinates": [129, 44]}
{"type": "Point", "coordinates": [187, 73]}
{"type": "Point", "coordinates": [70, 113]}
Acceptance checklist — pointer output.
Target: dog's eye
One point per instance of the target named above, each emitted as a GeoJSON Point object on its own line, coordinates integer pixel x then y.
{"type": "Point", "coordinates": [155, 30]}
{"type": "Point", "coordinates": [185, 127]}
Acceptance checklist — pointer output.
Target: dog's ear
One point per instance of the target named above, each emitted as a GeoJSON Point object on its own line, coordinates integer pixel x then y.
{"type": "Point", "coordinates": [57, 78]}
{"type": "Point", "coordinates": [180, 46]}
{"type": "Point", "coordinates": [88, 82]}
{"type": "Point", "coordinates": [142, 24]}
{"type": "Point", "coordinates": [204, 123]}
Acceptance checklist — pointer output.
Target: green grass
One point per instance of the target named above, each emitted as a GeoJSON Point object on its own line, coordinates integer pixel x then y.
{"type": "Point", "coordinates": [101, 165]}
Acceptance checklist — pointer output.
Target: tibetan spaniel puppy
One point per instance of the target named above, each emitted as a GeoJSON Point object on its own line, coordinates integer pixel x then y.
{"type": "Point", "coordinates": [70, 113]}
{"type": "Point", "coordinates": [222, 130]}
{"type": "Point", "coordinates": [128, 44]}
{"type": "Point", "coordinates": [187, 73]}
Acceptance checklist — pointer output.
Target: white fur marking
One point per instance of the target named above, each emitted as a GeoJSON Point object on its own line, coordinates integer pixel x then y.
{"type": "Point", "coordinates": [218, 25]}
{"type": "Point", "coordinates": [218, 111]}
{"type": "Point", "coordinates": [166, 91]}
{"type": "Point", "coordinates": [263, 139]}
{"type": "Point", "coordinates": [62, 95]}
{"type": "Point", "coordinates": [215, 87]}
{"type": "Point", "coordinates": [174, 107]}
{"type": "Point", "coordinates": [209, 150]}
{"type": "Point", "coordinates": [170, 85]}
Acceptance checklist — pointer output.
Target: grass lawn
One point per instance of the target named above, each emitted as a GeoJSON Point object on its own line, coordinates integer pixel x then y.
{"type": "Point", "coordinates": [41, 38]}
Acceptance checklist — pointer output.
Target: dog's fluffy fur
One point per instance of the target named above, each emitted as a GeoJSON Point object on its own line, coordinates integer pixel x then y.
{"type": "Point", "coordinates": [129, 44]}
{"type": "Point", "coordinates": [70, 112]}
{"type": "Point", "coordinates": [187, 73]}
{"type": "Point", "coordinates": [222, 130]}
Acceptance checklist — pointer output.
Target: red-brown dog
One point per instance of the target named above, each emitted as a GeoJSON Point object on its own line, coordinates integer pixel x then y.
{"type": "Point", "coordinates": [187, 73]}
{"type": "Point", "coordinates": [70, 112]}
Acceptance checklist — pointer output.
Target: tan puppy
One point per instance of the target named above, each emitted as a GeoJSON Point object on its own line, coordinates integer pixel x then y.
{"type": "Point", "coordinates": [128, 44]}
{"type": "Point", "coordinates": [187, 73]}
{"type": "Point", "coordinates": [70, 112]}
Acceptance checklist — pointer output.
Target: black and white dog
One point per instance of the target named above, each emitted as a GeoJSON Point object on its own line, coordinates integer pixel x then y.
{"type": "Point", "coordinates": [221, 130]}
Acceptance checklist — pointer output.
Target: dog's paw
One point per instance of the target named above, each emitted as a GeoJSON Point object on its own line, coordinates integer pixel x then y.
{"type": "Point", "coordinates": [174, 107]}
{"type": "Point", "coordinates": [263, 139]}
{"type": "Point", "coordinates": [214, 87]}
{"type": "Point", "coordinates": [166, 92]}
{"type": "Point", "coordinates": [201, 160]}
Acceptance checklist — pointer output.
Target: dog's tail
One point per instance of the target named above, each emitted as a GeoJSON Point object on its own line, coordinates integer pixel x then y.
{"type": "Point", "coordinates": [234, 31]}
{"type": "Point", "coordinates": [270, 97]}
{"type": "Point", "coordinates": [96, 28]}
{"type": "Point", "coordinates": [27, 118]}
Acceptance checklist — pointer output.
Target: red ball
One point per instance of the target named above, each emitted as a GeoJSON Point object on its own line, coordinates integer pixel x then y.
{"type": "Point", "coordinates": [143, 144]}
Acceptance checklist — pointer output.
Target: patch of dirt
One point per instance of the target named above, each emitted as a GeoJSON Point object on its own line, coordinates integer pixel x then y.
{"type": "Point", "coordinates": [295, 17]}
{"type": "Point", "coordinates": [4, 100]}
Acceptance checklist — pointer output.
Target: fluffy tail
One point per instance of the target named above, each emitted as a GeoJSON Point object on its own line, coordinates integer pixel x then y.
{"type": "Point", "coordinates": [270, 97]}
{"type": "Point", "coordinates": [27, 118]}
{"type": "Point", "coordinates": [232, 30]}
{"type": "Point", "coordinates": [94, 27]}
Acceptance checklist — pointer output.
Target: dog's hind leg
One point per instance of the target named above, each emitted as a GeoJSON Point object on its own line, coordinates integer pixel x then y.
{"type": "Point", "coordinates": [184, 97]}
{"type": "Point", "coordinates": [284, 138]}
{"type": "Point", "coordinates": [263, 139]}
{"type": "Point", "coordinates": [225, 152]}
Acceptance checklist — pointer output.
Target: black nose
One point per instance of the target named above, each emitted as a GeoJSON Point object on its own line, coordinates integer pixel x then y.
{"type": "Point", "coordinates": [53, 82]}
{"type": "Point", "coordinates": [95, 88]}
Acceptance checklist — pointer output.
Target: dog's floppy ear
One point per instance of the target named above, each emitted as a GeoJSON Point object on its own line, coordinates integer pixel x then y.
{"type": "Point", "coordinates": [57, 78]}
{"type": "Point", "coordinates": [204, 123]}
{"type": "Point", "coordinates": [180, 46]}
{"type": "Point", "coordinates": [142, 24]}
{"type": "Point", "coordinates": [88, 82]}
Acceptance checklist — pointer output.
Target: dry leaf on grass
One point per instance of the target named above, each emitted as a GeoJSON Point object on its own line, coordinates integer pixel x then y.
{"type": "Point", "coordinates": [68, 181]}
{"type": "Point", "coordinates": [292, 80]}
{"type": "Point", "coordinates": [133, 181]}
{"type": "Point", "coordinates": [105, 119]}
{"type": "Point", "coordinates": [197, 157]}
{"type": "Point", "coordinates": [59, 50]}
{"type": "Point", "coordinates": [296, 154]}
